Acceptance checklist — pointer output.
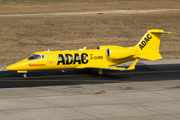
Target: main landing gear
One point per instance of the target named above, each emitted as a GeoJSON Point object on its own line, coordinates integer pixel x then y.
{"type": "Point", "coordinates": [100, 71]}
{"type": "Point", "coordinates": [90, 71]}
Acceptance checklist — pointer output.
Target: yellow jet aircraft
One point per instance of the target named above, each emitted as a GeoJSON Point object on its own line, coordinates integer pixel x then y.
{"type": "Point", "coordinates": [105, 57]}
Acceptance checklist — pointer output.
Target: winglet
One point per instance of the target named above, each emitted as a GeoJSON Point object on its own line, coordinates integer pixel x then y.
{"type": "Point", "coordinates": [85, 48]}
{"type": "Point", "coordinates": [132, 67]}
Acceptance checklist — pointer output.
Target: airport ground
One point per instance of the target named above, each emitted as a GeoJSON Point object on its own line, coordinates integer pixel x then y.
{"type": "Point", "coordinates": [149, 92]}
{"type": "Point", "coordinates": [23, 35]}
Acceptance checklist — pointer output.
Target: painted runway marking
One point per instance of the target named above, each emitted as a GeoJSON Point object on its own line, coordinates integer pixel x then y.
{"type": "Point", "coordinates": [87, 75]}
{"type": "Point", "coordinates": [81, 13]}
{"type": "Point", "coordinates": [21, 79]}
{"type": "Point", "coordinates": [45, 77]}
{"type": "Point", "coordinates": [108, 81]}
{"type": "Point", "coordinates": [148, 72]}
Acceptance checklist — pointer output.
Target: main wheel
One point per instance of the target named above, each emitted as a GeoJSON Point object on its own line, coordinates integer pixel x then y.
{"type": "Point", "coordinates": [90, 71]}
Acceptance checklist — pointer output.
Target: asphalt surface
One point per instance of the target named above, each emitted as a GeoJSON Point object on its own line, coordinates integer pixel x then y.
{"type": "Point", "coordinates": [10, 79]}
{"type": "Point", "coordinates": [151, 92]}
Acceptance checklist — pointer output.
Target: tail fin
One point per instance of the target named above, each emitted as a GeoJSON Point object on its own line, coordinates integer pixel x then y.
{"type": "Point", "coordinates": [148, 46]}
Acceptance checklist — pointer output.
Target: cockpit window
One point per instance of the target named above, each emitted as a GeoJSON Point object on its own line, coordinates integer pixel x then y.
{"type": "Point", "coordinates": [36, 57]}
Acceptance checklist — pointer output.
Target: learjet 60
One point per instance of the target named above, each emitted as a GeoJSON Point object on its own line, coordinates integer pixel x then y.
{"type": "Point", "coordinates": [104, 57]}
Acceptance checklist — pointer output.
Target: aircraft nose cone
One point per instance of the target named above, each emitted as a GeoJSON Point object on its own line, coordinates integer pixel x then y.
{"type": "Point", "coordinates": [11, 67]}
{"type": "Point", "coordinates": [19, 66]}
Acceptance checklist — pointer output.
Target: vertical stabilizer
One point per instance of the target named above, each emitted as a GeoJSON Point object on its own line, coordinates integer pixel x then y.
{"type": "Point", "coordinates": [148, 46]}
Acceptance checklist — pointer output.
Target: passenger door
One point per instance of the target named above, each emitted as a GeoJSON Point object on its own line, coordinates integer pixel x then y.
{"type": "Point", "coordinates": [50, 58]}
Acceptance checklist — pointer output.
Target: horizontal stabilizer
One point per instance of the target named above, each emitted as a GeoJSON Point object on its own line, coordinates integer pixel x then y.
{"type": "Point", "coordinates": [162, 32]}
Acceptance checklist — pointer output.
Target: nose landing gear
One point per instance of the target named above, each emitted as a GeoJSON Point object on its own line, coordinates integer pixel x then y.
{"type": "Point", "coordinates": [24, 75]}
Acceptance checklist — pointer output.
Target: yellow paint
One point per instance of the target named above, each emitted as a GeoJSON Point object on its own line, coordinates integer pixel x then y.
{"type": "Point", "coordinates": [103, 58]}
{"type": "Point", "coordinates": [100, 71]}
{"type": "Point", "coordinates": [21, 71]}
{"type": "Point", "coordinates": [132, 67]}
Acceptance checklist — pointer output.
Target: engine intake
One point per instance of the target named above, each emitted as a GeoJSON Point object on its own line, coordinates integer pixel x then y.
{"type": "Point", "coordinates": [119, 53]}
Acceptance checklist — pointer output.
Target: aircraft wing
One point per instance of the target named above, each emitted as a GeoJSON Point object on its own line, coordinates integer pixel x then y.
{"type": "Point", "coordinates": [131, 67]}
{"type": "Point", "coordinates": [108, 67]}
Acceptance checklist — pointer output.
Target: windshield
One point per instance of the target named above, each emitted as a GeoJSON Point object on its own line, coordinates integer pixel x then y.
{"type": "Point", "coordinates": [36, 57]}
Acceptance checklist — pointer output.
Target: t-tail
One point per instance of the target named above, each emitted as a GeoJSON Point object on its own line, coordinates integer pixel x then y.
{"type": "Point", "coordinates": [148, 46]}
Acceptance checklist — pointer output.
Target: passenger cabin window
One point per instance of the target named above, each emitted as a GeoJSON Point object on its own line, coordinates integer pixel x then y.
{"type": "Point", "coordinates": [36, 57]}
{"type": "Point", "coordinates": [84, 57]}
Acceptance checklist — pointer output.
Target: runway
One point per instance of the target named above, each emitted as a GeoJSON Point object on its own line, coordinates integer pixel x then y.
{"type": "Point", "coordinates": [149, 92]}
{"type": "Point", "coordinates": [142, 73]}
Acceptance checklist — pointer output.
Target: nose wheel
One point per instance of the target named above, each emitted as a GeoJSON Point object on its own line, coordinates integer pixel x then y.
{"type": "Point", "coordinates": [24, 75]}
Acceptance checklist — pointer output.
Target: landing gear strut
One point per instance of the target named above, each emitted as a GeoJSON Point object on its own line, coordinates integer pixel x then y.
{"type": "Point", "coordinates": [100, 72]}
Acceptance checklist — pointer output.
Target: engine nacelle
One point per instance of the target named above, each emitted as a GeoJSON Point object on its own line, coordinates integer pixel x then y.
{"type": "Point", "coordinates": [119, 53]}
{"type": "Point", "coordinates": [108, 47]}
